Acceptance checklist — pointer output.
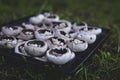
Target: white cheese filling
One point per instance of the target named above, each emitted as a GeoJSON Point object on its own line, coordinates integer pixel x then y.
{"type": "Point", "coordinates": [47, 33]}
{"type": "Point", "coordinates": [7, 40]}
{"type": "Point", "coordinates": [62, 25]}
{"type": "Point", "coordinates": [77, 41]}
{"type": "Point", "coordinates": [34, 45]}
{"type": "Point", "coordinates": [57, 42]}
{"type": "Point", "coordinates": [28, 33]}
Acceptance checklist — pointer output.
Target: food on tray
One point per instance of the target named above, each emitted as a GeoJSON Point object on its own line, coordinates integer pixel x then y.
{"type": "Point", "coordinates": [56, 42]}
{"type": "Point", "coordinates": [44, 17]}
{"type": "Point", "coordinates": [63, 25]}
{"type": "Point", "coordinates": [94, 30]}
{"type": "Point", "coordinates": [60, 55]}
{"type": "Point", "coordinates": [62, 35]}
{"type": "Point", "coordinates": [36, 47]}
{"type": "Point", "coordinates": [43, 34]}
{"type": "Point", "coordinates": [11, 30]}
{"type": "Point", "coordinates": [89, 37]}
{"type": "Point", "coordinates": [80, 25]}
{"type": "Point", "coordinates": [20, 49]}
{"type": "Point", "coordinates": [26, 34]}
{"type": "Point", "coordinates": [73, 34]}
{"type": "Point", "coordinates": [28, 26]}
{"type": "Point", "coordinates": [77, 45]}
{"type": "Point", "coordinates": [8, 42]}
{"type": "Point", "coordinates": [46, 37]}
{"type": "Point", "coordinates": [51, 17]}
{"type": "Point", "coordinates": [37, 19]}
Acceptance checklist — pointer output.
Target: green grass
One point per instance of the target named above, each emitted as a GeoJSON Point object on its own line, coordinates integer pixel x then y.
{"type": "Point", "coordinates": [104, 65]}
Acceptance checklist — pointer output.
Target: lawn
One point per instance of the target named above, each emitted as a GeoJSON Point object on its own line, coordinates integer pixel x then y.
{"type": "Point", "coordinates": [104, 65]}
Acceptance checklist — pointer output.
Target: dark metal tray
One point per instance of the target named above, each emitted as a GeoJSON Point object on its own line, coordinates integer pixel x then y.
{"type": "Point", "coordinates": [70, 67]}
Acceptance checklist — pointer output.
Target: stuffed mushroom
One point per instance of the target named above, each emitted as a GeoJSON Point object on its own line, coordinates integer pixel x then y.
{"type": "Point", "coordinates": [48, 25]}
{"type": "Point", "coordinates": [59, 55]}
{"type": "Point", "coordinates": [63, 25]}
{"type": "Point", "coordinates": [8, 42]}
{"type": "Point", "coordinates": [77, 45]}
{"type": "Point", "coordinates": [20, 49]}
{"type": "Point", "coordinates": [51, 17]}
{"type": "Point", "coordinates": [62, 35]}
{"type": "Point", "coordinates": [26, 34]}
{"type": "Point", "coordinates": [39, 26]}
{"type": "Point", "coordinates": [56, 42]}
{"type": "Point", "coordinates": [73, 33]}
{"type": "Point", "coordinates": [45, 13]}
{"type": "Point", "coordinates": [36, 19]}
{"type": "Point", "coordinates": [29, 26]}
{"type": "Point", "coordinates": [43, 34]}
{"type": "Point", "coordinates": [89, 37]}
{"type": "Point", "coordinates": [81, 25]}
{"type": "Point", "coordinates": [36, 47]}
{"type": "Point", "coordinates": [94, 30]}
{"type": "Point", "coordinates": [11, 30]}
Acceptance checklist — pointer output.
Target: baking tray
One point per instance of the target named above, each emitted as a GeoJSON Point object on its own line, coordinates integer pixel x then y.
{"type": "Point", "coordinates": [68, 68]}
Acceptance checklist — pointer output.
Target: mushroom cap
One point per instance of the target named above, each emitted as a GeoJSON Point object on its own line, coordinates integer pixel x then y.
{"type": "Point", "coordinates": [63, 35]}
{"type": "Point", "coordinates": [62, 58]}
{"type": "Point", "coordinates": [62, 25]}
{"type": "Point", "coordinates": [36, 19]}
{"type": "Point", "coordinates": [94, 30]}
{"type": "Point", "coordinates": [20, 49]}
{"type": "Point", "coordinates": [11, 31]}
{"type": "Point", "coordinates": [8, 42]}
{"type": "Point", "coordinates": [84, 35]}
{"type": "Point", "coordinates": [36, 47]}
{"type": "Point", "coordinates": [43, 34]}
{"type": "Point", "coordinates": [77, 45]}
{"type": "Point", "coordinates": [28, 26]}
{"type": "Point", "coordinates": [51, 17]}
{"type": "Point", "coordinates": [56, 42]}
{"type": "Point", "coordinates": [78, 26]}
{"type": "Point", "coordinates": [26, 34]}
